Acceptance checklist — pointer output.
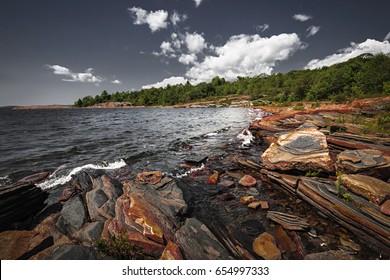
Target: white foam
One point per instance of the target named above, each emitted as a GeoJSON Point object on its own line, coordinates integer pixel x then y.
{"type": "Point", "coordinates": [185, 174]}
{"type": "Point", "coordinates": [55, 181]}
{"type": "Point", "coordinates": [247, 136]}
{"type": "Point", "coordinates": [211, 134]}
{"type": "Point", "coordinates": [4, 178]}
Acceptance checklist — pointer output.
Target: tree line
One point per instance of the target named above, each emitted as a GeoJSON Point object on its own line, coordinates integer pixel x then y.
{"type": "Point", "coordinates": [364, 76]}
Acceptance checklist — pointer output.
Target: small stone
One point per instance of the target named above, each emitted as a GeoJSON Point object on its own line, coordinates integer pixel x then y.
{"type": "Point", "coordinates": [248, 181]}
{"type": "Point", "coordinates": [213, 179]}
{"type": "Point", "coordinates": [227, 184]}
{"type": "Point", "coordinates": [385, 208]}
{"type": "Point", "coordinates": [247, 199]}
{"type": "Point", "coordinates": [313, 233]}
{"type": "Point", "coordinates": [264, 246]}
{"type": "Point", "coordinates": [254, 205]}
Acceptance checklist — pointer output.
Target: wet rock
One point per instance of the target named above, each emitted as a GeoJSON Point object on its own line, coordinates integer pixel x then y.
{"type": "Point", "coordinates": [349, 243]}
{"type": "Point", "coordinates": [265, 247]}
{"type": "Point", "coordinates": [385, 208]}
{"type": "Point", "coordinates": [199, 243]}
{"type": "Point", "coordinates": [19, 203]}
{"type": "Point", "coordinates": [371, 188]}
{"type": "Point", "coordinates": [247, 199]}
{"type": "Point", "coordinates": [365, 162]}
{"type": "Point", "coordinates": [196, 160]}
{"type": "Point", "coordinates": [288, 221]}
{"type": "Point", "coordinates": [248, 181]}
{"type": "Point", "coordinates": [33, 179]}
{"type": "Point", "coordinates": [329, 255]}
{"type": "Point", "coordinates": [227, 184]}
{"type": "Point", "coordinates": [304, 149]}
{"type": "Point", "coordinates": [72, 216]}
{"type": "Point", "coordinates": [213, 179]}
{"type": "Point", "coordinates": [152, 177]}
{"type": "Point", "coordinates": [172, 252]}
{"type": "Point", "coordinates": [72, 252]}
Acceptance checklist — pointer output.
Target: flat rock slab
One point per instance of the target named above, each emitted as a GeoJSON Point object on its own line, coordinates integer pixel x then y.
{"type": "Point", "coordinates": [288, 221]}
{"type": "Point", "coordinates": [366, 162]}
{"type": "Point", "coordinates": [199, 243]}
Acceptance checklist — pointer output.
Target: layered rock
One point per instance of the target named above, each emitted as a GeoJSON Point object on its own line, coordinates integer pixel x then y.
{"type": "Point", "coordinates": [304, 149]}
{"type": "Point", "coordinates": [365, 162]}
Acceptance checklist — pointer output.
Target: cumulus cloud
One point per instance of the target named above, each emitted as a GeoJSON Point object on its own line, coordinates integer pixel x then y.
{"type": "Point", "coordinates": [262, 28]}
{"type": "Point", "coordinates": [195, 42]}
{"type": "Point", "coordinates": [302, 17]}
{"type": "Point", "coordinates": [116, 82]}
{"type": "Point", "coordinates": [245, 55]}
{"type": "Point", "coordinates": [166, 82]}
{"type": "Point", "coordinates": [369, 46]}
{"type": "Point", "coordinates": [197, 2]}
{"type": "Point", "coordinates": [155, 19]}
{"type": "Point", "coordinates": [176, 18]}
{"type": "Point", "coordinates": [84, 77]}
{"type": "Point", "coordinates": [387, 37]}
{"type": "Point", "coordinates": [313, 30]}
{"type": "Point", "coordinates": [188, 59]}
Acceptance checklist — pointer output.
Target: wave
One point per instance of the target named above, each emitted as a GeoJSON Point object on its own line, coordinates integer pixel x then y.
{"type": "Point", "coordinates": [185, 174]}
{"type": "Point", "coordinates": [246, 136]}
{"type": "Point", "coordinates": [54, 181]}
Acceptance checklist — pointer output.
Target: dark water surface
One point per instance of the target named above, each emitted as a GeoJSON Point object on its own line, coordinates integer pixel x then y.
{"type": "Point", "coordinates": [62, 141]}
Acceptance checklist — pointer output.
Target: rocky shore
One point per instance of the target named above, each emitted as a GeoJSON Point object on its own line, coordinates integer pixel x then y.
{"type": "Point", "coordinates": [314, 184]}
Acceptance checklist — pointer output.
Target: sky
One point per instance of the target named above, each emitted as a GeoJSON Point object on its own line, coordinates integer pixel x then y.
{"type": "Point", "coordinates": [54, 52]}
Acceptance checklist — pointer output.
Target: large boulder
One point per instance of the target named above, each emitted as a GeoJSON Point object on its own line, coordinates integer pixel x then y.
{"type": "Point", "coordinates": [199, 243]}
{"type": "Point", "coordinates": [304, 149]}
{"type": "Point", "coordinates": [366, 162]}
{"type": "Point", "coordinates": [72, 216]}
{"type": "Point", "coordinates": [373, 189]}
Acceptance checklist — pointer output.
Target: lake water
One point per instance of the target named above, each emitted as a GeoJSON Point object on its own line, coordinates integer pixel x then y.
{"type": "Point", "coordinates": [62, 141]}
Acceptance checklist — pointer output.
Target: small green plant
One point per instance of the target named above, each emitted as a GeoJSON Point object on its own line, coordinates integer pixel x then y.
{"type": "Point", "coordinates": [299, 107]}
{"type": "Point", "coordinates": [119, 248]}
{"type": "Point", "coordinates": [341, 119]}
{"type": "Point", "coordinates": [312, 173]}
{"type": "Point", "coordinates": [316, 105]}
{"type": "Point", "coordinates": [347, 197]}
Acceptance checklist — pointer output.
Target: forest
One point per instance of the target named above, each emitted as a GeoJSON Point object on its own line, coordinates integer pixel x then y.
{"type": "Point", "coordinates": [364, 76]}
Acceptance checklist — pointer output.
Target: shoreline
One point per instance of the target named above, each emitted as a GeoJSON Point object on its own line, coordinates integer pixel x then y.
{"type": "Point", "coordinates": [273, 187]}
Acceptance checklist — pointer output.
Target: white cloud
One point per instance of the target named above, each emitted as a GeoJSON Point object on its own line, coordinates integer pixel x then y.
{"type": "Point", "coordinates": [155, 19]}
{"type": "Point", "coordinates": [245, 55]}
{"type": "Point", "coordinates": [168, 81]}
{"type": "Point", "coordinates": [197, 2]}
{"type": "Point", "coordinates": [195, 42]}
{"type": "Point", "coordinates": [116, 82]}
{"type": "Point", "coordinates": [176, 18]}
{"type": "Point", "coordinates": [188, 59]}
{"type": "Point", "coordinates": [262, 28]}
{"type": "Point", "coordinates": [166, 48]}
{"type": "Point", "coordinates": [84, 77]}
{"type": "Point", "coordinates": [302, 17]}
{"type": "Point", "coordinates": [313, 30]}
{"type": "Point", "coordinates": [369, 46]}
{"type": "Point", "coordinates": [387, 38]}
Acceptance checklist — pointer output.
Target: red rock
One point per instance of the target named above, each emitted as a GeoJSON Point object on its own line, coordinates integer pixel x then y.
{"type": "Point", "coordinates": [152, 177]}
{"type": "Point", "coordinates": [254, 205]}
{"type": "Point", "coordinates": [172, 252]}
{"type": "Point", "coordinates": [213, 179]}
{"type": "Point", "coordinates": [67, 194]}
{"type": "Point", "coordinates": [264, 205]}
{"type": "Point", "coordinates": [248, 181]}
{"type": "Point", "coordinates": [385, 208]}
